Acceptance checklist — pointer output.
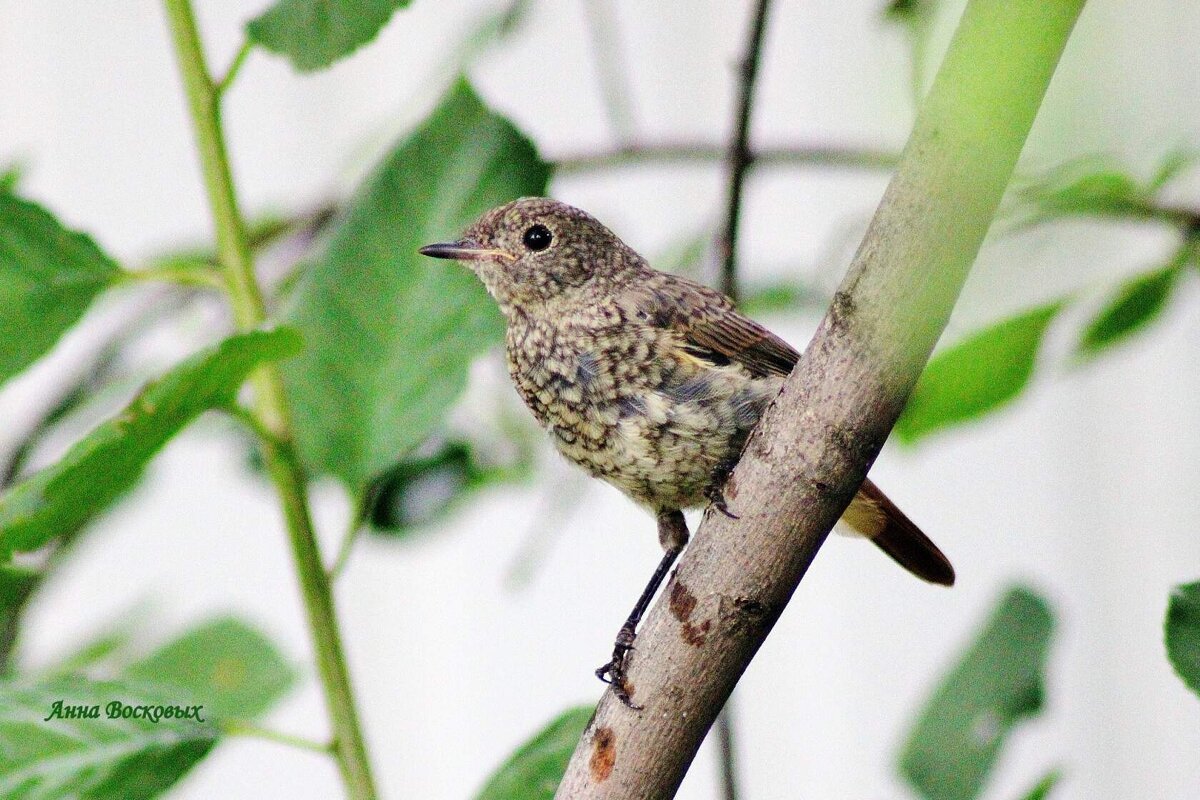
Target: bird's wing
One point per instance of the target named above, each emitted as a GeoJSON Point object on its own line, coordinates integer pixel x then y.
{"type": "Point", "coordinates": [709, 326]}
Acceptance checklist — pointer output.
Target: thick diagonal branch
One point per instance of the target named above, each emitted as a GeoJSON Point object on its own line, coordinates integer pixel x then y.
{"type": "Point", "coordinates": [816, 442]}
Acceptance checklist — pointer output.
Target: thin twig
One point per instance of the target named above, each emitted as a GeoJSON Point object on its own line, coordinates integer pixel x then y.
{"type": "Point", "coordinates": [727, 752]}
{"type": "Point", "coordinates": [708, 154]}
{"type": "Point", "coordinates": [738, 157]}
{"type": "Point", "coordinates": [608, 56]}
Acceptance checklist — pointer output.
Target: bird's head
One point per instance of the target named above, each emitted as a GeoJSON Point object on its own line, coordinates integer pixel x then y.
{"type": "Point", "coordinates": [531, 251]}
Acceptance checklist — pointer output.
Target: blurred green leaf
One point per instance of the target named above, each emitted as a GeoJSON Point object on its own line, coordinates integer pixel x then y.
{"type": "Point", "coordinates": [1174, 164]}
{"type": "Point", "coordinates": [492, 27]}
{"type": "Point", "coordinates": [977, 375]}
{"type": "Point", "coordinates": [998, 682]}
{"type": "Point", "coordinates": [94, 759]}
{"type": "Point", "coordinates": [775, 297]}
{"type": "Point", "coordinates": [536, 769]}
{"type": "Point", "coordinates": [392, 333]}
{"type": "Point", "coordinates": [1045, 786]}
{"type": "Point", "coordinates": [109, 461]}
{"type": "Point", "coordinates": [225, 664]}
{"type": "Point", "coordinates": [1138, 302]}
{"type": "Point", "coordinates": [10, 176]}
{"type": "Point", "coordinates": [315, 33]}
{"type": "Point", "coordinates": [1090, 186]}
{"type": "Point", "coordinates": [1183, 633]}
{"type": "Point", "coordinates": [907, 11]}
{"type": "Point", "coordinates": [108, 643]}
{"type": "Point", "coordinates": [16, 584]}
{"type": "Point", "coordinates": [431, 482]}
{"type": "Point", "coordinates": [685, 254]}
{"type": "Point", "coordinates": [48, 278]}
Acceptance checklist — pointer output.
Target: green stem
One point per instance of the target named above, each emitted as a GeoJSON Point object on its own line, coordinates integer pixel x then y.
{"type": "Point", "coordinates": [222, 86]}
{"type": "Point", "coordinates": [240, 728]}
{"type": "Point", "coordinates": [358, 516]}
{"type": "Point", "coordinates": [271, 407]}
{"type": "Point", "coordinates": [181, 274]}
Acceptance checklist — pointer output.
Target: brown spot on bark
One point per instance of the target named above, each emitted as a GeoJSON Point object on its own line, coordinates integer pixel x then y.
{"type": "Point", "coordinates": [604, 754]}
{"type": "Point", "coordinates": [682, 604]}
{"type": "Point", "coordinates": [696, 635]}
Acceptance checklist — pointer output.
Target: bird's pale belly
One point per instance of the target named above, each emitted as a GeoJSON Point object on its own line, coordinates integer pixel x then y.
{"type": "Point", "coordinates": [662, 463]}
{"type": "Point", "coordinates": [663, 447]}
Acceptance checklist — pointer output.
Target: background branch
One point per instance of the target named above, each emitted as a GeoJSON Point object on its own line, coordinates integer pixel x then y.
{"type": "Point", "coordinates": [688, 152]}
{"type": "Point", "coordinates": [814, 445]}
{"type": "Point", "coordinates": [738, 158]}
{"type": "Point", "coordinates": [738, 162]}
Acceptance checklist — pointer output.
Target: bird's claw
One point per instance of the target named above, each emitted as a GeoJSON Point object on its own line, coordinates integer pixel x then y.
{"type": "Point", "coordinates": [717, 499]}
{"type": "Point", "coordinates": [613, 673]}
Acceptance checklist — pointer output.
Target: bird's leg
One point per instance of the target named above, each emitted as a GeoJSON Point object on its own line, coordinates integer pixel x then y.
{"type": "Point", "coordinates": [715, 493]}
{"type": "Point", "coordinates": [673, 535]}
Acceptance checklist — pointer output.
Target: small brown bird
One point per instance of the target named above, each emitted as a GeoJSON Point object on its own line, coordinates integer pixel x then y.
{"type": "Point", "coordinates": [647, 380]}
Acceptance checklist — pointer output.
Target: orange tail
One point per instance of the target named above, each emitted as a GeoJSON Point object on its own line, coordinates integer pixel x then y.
{"type": "Point", "coordinates": [874, 516]}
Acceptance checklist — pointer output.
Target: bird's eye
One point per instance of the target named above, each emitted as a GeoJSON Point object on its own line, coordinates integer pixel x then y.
{"type": "Point", "coordinates": [538, 237]}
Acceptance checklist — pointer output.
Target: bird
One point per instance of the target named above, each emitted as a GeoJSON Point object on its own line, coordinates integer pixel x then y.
{"type": "Point", "coordinates": [647, 380]}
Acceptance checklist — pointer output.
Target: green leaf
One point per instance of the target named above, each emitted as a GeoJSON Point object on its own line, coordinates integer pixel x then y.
{"type": "Point", "coordinates": [685, 254]}
{"type": "Point", "coordinates": [772, 298]}
{"type": "Point", "coordinates": [998, 682]}
{"type": "Point", "coordinates": [908, 11]}
{"type": "Point", "coordinates": [16, 585]}
{"type": "Point", "coordinates": [48, 278]}
{"type": "Point", "coordinates": [1044, 787]}
{"type": "Point", "coordinates": [1183, 633]}
{"type": "Point", "coordinates": [106, 645]}
{"type": "Point", "coordinates": [94, 759]}
{"type": "Point", "coordinates": [492, 27]}
{"type": "Point", "coordinates": [1172, 166]}
{"type": "Point", "coordinates": [976, 376]}
{"type": "Point", "coordinates": [391, 332]}
{"type": "Point", "coordinates": [1085, 187]}
{"type": "Point", "coordinates": [225, 664]}
{"type": "Point", "coordinates": [315, 33]}
{"type": "Point", "coordinates": [108, 461]}
{"type": "Point", "coordinates": [536, 769]}
{"type": "Point", "coordinates": [430, 483]}
{"type": "Point", "coordinates": [10, 176]}
{"type": "Point", "coordinates": [1135, 305]}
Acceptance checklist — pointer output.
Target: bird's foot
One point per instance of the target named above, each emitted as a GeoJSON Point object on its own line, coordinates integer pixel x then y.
{"type": "Point", "coordinates": [716, 497]}
{"type": "Point", "coordinates": [613, 672]}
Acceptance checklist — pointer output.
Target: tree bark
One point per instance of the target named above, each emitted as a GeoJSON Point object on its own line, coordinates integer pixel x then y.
{"type": "Point", "coordinates": [815, 444]}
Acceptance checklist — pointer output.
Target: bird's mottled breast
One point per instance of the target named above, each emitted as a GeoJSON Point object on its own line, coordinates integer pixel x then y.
{"type": "Point", "coordinates": [573, 370]}
{"type": "Point", "coordinates": [622, 399]}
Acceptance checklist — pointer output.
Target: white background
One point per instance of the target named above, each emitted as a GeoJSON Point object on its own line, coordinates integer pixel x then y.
{"type": "Point", "coordinates": [1085, 488]}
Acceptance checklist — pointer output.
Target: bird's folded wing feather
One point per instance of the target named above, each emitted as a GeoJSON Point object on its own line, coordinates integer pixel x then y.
{"type": "Point", "coordinates": [710, 326]}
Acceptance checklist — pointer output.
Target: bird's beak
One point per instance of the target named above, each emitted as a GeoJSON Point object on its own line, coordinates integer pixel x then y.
{"type": "Point", "coordinates": [462, 250]}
